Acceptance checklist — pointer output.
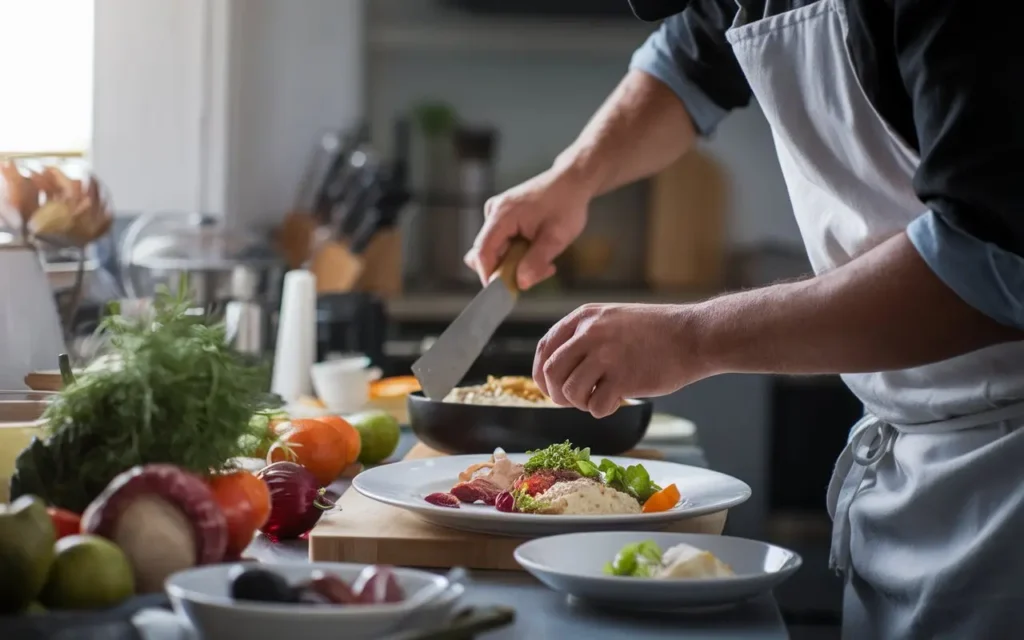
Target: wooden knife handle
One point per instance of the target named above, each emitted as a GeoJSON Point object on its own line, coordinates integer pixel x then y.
{"type": "Point", "coordinates": [510, 263]}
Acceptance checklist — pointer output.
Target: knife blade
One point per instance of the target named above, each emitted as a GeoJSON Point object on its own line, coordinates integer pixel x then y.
{"type": "Point", "coordinates": [448, 360]}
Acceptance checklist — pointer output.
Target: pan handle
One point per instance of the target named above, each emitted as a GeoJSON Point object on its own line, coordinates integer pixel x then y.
{"type": "Point", "coordinates": [510, 263]}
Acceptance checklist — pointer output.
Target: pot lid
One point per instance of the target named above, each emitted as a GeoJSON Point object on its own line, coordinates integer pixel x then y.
{"type": "Point", "coordinates": [198, 242]}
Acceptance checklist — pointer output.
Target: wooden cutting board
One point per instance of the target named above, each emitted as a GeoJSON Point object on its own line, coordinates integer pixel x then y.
{"type": "Point", "coordinates": [366, 531]}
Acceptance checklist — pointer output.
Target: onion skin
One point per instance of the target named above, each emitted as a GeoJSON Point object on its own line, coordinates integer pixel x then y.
{"type": "Point", "coordinates": [296, 500]}
{"type": "Point", "coordinates": [182, 489]}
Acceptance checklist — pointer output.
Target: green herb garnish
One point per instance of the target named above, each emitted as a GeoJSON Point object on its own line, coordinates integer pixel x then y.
{"type": "Point", "coordinates": [559, 457]}
{"type": "Point", "coordinates": [636, 560]}
{"type": "Point", "coordinates": [179, 394]}
{"type": "Point", "coordinates": [633, 480]}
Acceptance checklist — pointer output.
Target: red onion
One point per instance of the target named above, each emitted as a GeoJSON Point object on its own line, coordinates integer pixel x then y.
{"type": "Point", "coordinates": [296, 500]}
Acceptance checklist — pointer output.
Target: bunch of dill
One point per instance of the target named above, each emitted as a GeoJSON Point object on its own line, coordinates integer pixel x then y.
{"type": "Point", "coordinates": [176, 393]}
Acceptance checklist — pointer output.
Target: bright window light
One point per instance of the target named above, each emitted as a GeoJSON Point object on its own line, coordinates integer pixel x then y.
{"type": "Point", "coordinates": [46, 75]}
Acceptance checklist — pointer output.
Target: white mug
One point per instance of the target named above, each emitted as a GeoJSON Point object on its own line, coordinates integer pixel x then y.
{"type": "Point", "coordinates": [343, 384]}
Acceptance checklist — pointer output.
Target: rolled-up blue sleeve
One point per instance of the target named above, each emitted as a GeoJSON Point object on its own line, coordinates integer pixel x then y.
{"type": "Point", "coordinates": [962, 72]}
{"type": "Point", "coordinates": [988, 278]}
{"type": "Point", "coordinates": [690, 55]}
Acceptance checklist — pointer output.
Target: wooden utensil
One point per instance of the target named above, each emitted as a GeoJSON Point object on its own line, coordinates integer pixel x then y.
{"type": "Point", "coordinates": [452, 355]}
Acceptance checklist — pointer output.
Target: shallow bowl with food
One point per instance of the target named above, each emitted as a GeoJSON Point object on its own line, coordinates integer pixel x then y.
{"type": "Point", "coordinates": [574, 564]}
{"type": "Point", "coordinates": [409, 483]}
{"type": "Point", "coordinates": [457, 428]}
{"type": "Point", "coordinates": [203, 595]}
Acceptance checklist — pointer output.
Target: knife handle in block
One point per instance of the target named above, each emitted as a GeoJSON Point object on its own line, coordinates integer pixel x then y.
{"type": "Point", "coordinates": [510, 263]}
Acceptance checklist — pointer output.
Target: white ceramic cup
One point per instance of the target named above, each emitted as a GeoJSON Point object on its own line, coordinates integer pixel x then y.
{"type": "Point", "coordinates": [343, 384]}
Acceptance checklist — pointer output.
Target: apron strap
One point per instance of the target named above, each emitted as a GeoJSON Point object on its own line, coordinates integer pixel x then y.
{"type": "Point", "coordinates": [871, 439]}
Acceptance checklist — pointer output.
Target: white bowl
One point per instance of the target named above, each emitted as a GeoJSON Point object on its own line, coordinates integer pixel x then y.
{"type": "Point", "coordinates": [202, 595]}
{"type": "Point", "coordinates": [574, 564]}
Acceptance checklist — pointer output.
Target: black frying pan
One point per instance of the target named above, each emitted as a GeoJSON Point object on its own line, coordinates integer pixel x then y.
{"type": "Point", "coordinates": [454, 428]}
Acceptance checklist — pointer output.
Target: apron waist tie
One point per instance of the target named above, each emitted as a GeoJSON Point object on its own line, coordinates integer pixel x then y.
{"type": "Point", "coordinates": [872, 439]}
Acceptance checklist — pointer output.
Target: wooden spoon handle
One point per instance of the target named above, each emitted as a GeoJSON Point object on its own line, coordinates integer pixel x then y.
{"type": "Point", "coordinates": [510, 263]}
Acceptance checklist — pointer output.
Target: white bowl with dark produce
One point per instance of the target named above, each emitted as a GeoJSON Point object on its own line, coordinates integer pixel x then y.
{"type": "Point", "coordinates": [657, 571]}
{"type": "Point", "coordinates": [310, 600]}
{"type": "Point", "coordinates": [512, 413]}
{"type": "Point", "coordinates": [558, 489]}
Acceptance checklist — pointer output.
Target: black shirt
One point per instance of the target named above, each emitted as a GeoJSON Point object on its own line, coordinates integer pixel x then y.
{"type": "Point", "coordinates": [947, 76]}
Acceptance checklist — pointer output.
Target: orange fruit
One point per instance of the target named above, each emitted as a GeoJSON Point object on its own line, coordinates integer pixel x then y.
{"type": "Point", "coordinates": [245, 501]}
{"type": "Point", "coordinates": [316, 445]}
{"type": "Point", "coordinates": [348, 432]}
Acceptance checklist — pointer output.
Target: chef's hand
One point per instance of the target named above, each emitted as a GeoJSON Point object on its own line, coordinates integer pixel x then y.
{"type": "Point", "coordinates": [549, 210]}
{"type": "Point", "coordinates": [602, 353]}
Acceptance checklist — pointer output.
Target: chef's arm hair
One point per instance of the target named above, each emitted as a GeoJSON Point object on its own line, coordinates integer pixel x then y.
{"type": "Point", "coordinates": [884, 310]}
{"type": "Point", "coordinates": [640, 129]}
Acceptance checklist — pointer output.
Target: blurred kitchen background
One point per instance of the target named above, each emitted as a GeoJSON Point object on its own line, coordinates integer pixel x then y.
{"type": "Point", "coordinates": [229, 133]}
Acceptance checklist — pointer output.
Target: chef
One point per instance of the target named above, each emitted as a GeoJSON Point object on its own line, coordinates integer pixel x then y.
{"type": "Point", "coordinates": [899, 127]}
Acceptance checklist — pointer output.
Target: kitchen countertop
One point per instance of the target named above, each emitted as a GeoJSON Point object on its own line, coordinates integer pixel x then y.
{"type": "Point", "coordinates": [542, 613]}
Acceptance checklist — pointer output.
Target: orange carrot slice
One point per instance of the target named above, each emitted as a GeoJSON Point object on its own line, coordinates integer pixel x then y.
{"type": "Point", "coordinates": [663, 500]}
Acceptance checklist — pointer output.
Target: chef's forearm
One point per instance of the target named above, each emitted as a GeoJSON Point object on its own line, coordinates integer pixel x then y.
{"type": "Point", "coordinates": [640, 129]}
{"type": "Point", "coordinates": [884, 310]}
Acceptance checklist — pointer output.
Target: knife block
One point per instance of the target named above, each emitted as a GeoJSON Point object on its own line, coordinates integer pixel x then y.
{"type": "Point", "coordinates": [378, 270]}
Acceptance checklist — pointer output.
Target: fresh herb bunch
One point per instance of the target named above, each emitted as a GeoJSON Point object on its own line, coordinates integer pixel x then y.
{"type": "Point", "coordinates": [177, 393]}
{"type": "Point", "coordinates": [557, 457]}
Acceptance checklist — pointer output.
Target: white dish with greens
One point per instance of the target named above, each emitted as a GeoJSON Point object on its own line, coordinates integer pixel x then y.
{"type": "Point", "coordinates": [560, 489]}
{"type": "Point", "coordinates": [656, 571]}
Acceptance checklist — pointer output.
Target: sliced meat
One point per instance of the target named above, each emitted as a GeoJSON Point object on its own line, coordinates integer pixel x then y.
{"type": "Point", "coordinates": [443, 500]}
{"type": "Point", "coordinates": [504, 472]}
{"type": "Point", "coordinates": [477, 490]}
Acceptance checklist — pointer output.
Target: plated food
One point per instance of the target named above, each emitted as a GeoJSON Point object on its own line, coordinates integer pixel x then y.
{"type": "Point", "coordinates": [374, 585]}
{"type": "Point", "coordinates": [475, 501]}
{"type": "Point", "coordinates": [558, 480]}
{"type": "Point", "coordinates": [694, 572]}
{"type": "Point", "coordinates": [311, 600]}
{"type": "Point", "coordinates": [682, 561]}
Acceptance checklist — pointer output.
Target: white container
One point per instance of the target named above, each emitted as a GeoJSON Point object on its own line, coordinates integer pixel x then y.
{"type": "Point", "coordinates": [203, 596]}
{"type": "Point", "coordinates": [295, 351]}
{"type": "Point", "coordinates": [343, 384]}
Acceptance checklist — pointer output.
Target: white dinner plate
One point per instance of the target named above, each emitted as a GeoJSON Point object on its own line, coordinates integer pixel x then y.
{"type": "Point", "coordinates": [406, 484]}
{"type": "Point", "coordinates": [574, 564]}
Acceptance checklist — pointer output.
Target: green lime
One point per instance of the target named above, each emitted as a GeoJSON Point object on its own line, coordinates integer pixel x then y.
{"type": "Point", "coordinates": [378, 433]}
{"type": "Point", "coordinates": [89, 572]}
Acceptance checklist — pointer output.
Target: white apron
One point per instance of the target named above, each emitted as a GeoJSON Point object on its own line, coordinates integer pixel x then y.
{"type": "Point", "coordinates": [926, 500]}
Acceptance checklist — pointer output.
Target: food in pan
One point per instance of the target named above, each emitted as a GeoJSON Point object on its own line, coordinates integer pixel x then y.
{"type": "Point", "coordinates": [506, 391]}
{"type": "Point", "coordinates": [682, 561]}
{"type": "Point", "coordinates": [558, 480]}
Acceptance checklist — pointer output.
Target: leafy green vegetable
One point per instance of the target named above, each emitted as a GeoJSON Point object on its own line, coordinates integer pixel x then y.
{"type": "Point", "coordinates": [526, 503]}
{"type": "Point", "coordinates": [587, 469]}
{"type": "Point", "coordinates": [633, 480]}
{"type": "Point", "coordinates": [557, 457]}
{"type": "Point", "coordinates": [179, 394]}
{"type": "Point", "coordinates": [636, 560]}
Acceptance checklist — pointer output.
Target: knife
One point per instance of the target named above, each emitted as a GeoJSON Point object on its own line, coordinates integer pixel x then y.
{"type": "Point", "coordinates": [449, 359]}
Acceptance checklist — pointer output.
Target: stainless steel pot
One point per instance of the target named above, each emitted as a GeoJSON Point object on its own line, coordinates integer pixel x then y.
{"type": "Point", "coordinates": [220, 264]}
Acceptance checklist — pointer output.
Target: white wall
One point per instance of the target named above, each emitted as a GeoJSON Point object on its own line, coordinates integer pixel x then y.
{"type": "Point", "coordinates": [214, 105]}
{"type": "Point", "coordinates": [300, 72]}
{"type": "Point", "coordinates": [148, 110]}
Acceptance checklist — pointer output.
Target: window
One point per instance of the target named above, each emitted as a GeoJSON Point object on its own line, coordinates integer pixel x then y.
{"type": "Point", "coordinates": [46, 75]}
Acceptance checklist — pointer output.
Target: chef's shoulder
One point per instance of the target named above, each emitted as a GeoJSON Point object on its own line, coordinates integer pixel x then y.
{"type": "Point", "coordinates": [691, 55]}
